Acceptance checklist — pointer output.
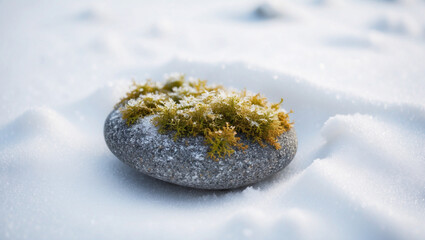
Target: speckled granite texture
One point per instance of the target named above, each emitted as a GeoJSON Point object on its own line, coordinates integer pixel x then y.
{"type": "Point", "coordinates": [185, 162]}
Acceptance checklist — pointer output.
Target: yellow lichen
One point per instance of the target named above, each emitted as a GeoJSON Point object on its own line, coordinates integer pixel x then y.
{"type": "Point", "coordinates": [222, 142]}
{"type": "Point", "coordinates": [191, 108]}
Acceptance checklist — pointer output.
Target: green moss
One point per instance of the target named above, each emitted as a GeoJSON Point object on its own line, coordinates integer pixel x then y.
{"type": "Point", "coordinates": [191, 108]}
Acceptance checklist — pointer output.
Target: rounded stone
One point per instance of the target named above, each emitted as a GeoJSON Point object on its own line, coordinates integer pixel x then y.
{"type": "Point", "coordinates": [185, 161]}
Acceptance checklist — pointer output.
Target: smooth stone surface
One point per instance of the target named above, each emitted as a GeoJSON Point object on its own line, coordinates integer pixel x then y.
{"type": "Point", "coordinates": [185, 162]}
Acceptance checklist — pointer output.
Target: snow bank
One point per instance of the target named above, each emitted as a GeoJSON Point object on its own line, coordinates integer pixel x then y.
{"type": "Point", "coordinates": [67, 179]}
{"type": "Point", "coordinates": [356, 91]}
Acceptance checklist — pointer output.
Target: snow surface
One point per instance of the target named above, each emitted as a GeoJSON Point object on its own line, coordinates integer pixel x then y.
{"type": "Point", "coordinates": [353, 72]}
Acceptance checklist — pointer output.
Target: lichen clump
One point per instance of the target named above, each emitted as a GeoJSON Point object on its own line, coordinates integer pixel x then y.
{"type": "Point", "coordinates": [191, 108]}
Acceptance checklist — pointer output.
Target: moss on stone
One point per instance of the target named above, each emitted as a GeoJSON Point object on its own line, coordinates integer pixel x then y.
{"type": "Point", "coordinates": [191, 108]}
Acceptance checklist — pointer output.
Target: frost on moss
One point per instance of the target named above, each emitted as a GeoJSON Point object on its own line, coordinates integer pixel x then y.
{"type": "Point", "coordinates": [190, 108]}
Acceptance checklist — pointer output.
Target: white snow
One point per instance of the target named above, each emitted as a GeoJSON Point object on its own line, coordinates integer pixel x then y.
{"type": "Point", "coordinates": [352, 71]}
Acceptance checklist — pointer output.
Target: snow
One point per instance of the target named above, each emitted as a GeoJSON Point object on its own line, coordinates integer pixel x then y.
{"type": "Point", "coordinates": [352, 71]}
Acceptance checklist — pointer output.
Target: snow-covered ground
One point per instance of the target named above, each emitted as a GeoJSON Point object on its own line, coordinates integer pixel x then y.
{"type": "Point", "coordinates": [352, 71]}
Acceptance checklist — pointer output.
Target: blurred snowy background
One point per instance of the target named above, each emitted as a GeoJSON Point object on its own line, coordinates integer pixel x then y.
{"type": "Point", "coordinates": [353, 72]}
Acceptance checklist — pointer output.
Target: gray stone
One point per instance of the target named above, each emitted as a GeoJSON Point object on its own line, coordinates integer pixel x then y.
{"type": "Point", "coordinates": [268, 10]}
{"type": "Point", "coordinates": [184, 161]}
